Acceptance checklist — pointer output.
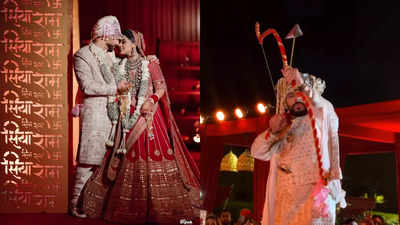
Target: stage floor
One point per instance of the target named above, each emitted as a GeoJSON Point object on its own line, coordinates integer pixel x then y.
{"type": "Point", "coordinates": [47, 219]}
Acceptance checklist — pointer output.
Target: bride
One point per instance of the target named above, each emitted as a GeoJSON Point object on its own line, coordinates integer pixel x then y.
{"type": "Point", "coordinates": [148, 176]}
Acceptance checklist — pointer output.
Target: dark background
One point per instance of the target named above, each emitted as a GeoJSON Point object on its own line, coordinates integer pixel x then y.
{"type": "Point", "coordinates": [352, 45]}
{"type": "Point", "coordinates": [376, 178]}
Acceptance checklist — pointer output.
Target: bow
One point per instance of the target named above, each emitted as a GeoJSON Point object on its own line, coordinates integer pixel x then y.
{"type": "Point", "coordinates": [278, 39]}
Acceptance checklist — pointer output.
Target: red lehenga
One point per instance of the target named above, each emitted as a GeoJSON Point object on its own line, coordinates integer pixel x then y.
{"type": "Point", "coordinates": [158, 181]}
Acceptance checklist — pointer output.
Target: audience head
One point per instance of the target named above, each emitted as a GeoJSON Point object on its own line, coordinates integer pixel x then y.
{"type": "Point", "coordinates": [378, 220]}
{"type": "Point", "coordinates": [225, 217]}
{"type": "Point", "coordinates": [211, 220]}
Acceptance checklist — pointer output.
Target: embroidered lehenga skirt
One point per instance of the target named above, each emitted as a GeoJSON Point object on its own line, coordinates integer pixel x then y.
{"type": "Point", "coordinates": [148, 188]}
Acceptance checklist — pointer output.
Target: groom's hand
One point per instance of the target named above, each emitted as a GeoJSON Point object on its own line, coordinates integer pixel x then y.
{"type": "Point", "coordinates": [277, 123]}
{"type": "Point", "coordinates": [124, 86]}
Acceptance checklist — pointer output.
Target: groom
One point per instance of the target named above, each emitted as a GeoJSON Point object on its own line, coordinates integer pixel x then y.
{"type": "Point", "coordinates": [302, 144]}
{"type": "Point", "coordinates": [93, 71]}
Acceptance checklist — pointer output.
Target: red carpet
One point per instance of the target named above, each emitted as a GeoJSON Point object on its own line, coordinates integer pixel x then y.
{"type": "Point", "coordinates": [47, 219]}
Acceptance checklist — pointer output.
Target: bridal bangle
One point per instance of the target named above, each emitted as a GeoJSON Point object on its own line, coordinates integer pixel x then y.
{"type": "Point", "coordinates": [155, 98]}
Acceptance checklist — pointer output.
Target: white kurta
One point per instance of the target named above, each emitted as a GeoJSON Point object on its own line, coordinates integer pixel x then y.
{"type": "Point", "coordinates": [289, 197]}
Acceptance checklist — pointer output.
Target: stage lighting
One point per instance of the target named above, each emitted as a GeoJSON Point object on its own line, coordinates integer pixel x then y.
{"type": "Point", "coordinates": [185, 138]}
{"type": "Point", "coordinates": [220, 115]}
{"type": "Point", "coordinates": [201, 120]}
{"type": "Point", "coordinates": [239, 113]}
{"type": "Point", "coordinates": [261, 108]}
{"type": "Point", "coordinates": [196, 138]}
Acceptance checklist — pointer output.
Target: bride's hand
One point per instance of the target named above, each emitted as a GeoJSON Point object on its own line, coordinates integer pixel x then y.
{"type": "Point", "coordinates": [124, 86]}
{"type": "Point", "coordinates": [147, 107]}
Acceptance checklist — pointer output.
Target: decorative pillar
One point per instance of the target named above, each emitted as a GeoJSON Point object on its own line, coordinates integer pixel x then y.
{"type": "Point", "coordinates": [397, 153]}
{"type": "Point", "coordinates": [35, 42]}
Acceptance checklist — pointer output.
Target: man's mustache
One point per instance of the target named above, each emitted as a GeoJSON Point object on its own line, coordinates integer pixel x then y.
{"type": "Point", "coordinates": [298, 113]}
{"type": "Point", "coordinates": [110, 48]}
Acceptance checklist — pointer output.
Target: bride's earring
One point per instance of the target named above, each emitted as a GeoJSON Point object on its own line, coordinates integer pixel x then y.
{"type": "Point", "coordinates": [134, 52]}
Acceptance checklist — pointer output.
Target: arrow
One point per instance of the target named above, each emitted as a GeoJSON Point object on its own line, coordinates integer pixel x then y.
{"type": "Point", "coordinates": [293, 34]}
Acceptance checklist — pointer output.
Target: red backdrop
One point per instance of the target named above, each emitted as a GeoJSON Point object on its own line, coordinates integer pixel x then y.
{"type": "Point", "coordinates": [177, 20]}
{"type": "Point", "coordinates": [35, 43]}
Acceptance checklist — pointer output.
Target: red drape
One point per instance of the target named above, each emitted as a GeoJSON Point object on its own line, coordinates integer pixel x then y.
{"type": "Point", "coordinates": [175, 52]}
{"type": "Point", "coordinates": [211, 156]}
{"type": "Point", "coordinates": [177, 20]}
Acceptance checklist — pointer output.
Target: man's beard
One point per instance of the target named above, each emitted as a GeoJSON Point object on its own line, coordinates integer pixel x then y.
{"type": "Point", "coordinates": [110, 47]}
{"type": "Point", "coordinates": [298, 109]}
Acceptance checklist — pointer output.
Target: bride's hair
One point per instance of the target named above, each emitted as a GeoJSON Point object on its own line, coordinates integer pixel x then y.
{"type": "Point", "coordinates": [129, 35]}
{"type": "Point", "coordinates": [137, 39]}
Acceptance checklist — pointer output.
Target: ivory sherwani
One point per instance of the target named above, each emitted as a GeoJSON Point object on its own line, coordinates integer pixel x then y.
{"type": "Point", "coordinates": [294, 169]}
{"type": "Point", "coordinates": [93, 83]}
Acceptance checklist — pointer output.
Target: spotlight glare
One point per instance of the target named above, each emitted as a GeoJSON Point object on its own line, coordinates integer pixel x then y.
{"type": "Point", "coordinates": [201, 120]}
{"type": "Point", "coordinates": [220, 116]}
{"type": "Point", "coordinates": [196, 138]}
{"type": "Point", "coordinates": [261, 108]}
{"type": "Point", "coordinates": [239, 113]}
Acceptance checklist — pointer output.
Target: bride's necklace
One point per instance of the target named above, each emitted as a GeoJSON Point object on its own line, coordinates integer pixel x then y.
{"type": "Point", "coordinates": [135, 65]}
